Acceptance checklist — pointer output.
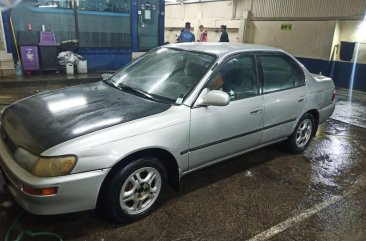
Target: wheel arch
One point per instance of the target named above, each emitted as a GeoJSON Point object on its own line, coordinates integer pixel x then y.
{"type": "Point", "coordinates": [168, 160]}
{"type": "Point", "coordinates": [315, 114]}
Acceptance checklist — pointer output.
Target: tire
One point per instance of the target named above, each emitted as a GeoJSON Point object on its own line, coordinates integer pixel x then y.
{"type": "Point", "coordinates": [302, 135]}
{"type": "Point", "coordinates": [141, 182]}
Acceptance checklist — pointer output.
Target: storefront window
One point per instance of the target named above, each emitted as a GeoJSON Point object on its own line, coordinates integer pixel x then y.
{"type": "Point", "coordinates": [55, 16]}
{"type": "Point", "coordinates": [105, 23]}
{"type": "Point", "coordinates": [96, 23]}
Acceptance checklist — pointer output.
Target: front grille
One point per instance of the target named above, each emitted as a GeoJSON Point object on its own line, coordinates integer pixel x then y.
{"type": "Point", "coordinates": [9, 143]}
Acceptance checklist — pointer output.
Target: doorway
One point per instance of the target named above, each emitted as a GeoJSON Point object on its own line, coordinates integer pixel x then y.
{"type": "Point", "coordinates": [148, 24]}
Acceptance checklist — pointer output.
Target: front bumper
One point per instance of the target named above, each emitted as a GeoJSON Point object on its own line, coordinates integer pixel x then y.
{"type": "Point", "coordinates": [76, 192]}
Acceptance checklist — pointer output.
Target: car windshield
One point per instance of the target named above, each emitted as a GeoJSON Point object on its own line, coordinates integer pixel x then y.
{"type": "Point", "coordinates": [165, 73]}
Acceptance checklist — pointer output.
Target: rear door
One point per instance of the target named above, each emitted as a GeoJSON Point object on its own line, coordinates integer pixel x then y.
{"type": "Point", "coordinates": [284, 94]}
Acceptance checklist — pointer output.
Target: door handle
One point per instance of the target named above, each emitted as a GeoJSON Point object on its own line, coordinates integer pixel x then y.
{"type": "Point", "coordinates": [254, 112]}
{"type": "Point", "coordinates": [301, 100]}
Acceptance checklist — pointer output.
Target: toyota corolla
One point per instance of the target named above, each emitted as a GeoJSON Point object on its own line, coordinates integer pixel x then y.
{"type": "Point", "coordinates": [118, 143]}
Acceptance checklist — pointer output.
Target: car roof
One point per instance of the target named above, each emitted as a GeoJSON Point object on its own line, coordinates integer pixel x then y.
{"type": "Point", "coordinates": [221, 49]}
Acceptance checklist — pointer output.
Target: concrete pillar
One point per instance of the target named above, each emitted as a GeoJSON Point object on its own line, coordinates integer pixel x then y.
{"type": "Point", "coordinates": [243, 27]}
{"type": "Point", "coordinates": [241, 34]}
{"type": "Point", "coordinates": [247, 28]}
{"type": "Point", "coordinates": [2, 35]}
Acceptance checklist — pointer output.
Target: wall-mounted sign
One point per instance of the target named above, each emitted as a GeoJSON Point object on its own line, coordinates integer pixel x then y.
{"type": "Point", "coordinates": [286, 26]}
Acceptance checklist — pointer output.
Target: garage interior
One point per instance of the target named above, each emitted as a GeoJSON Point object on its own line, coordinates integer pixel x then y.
{"type": "Point", "coordinates": [267, 194]}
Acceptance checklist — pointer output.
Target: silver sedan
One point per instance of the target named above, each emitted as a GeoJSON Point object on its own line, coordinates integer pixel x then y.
{"type": "Point", "coordinates": [118, 143]}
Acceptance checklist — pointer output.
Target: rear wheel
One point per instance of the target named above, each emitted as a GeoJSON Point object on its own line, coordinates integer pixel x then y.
{"type": "Point", "coordinates": [302, 135]}
{"type": "Point", "coordinates": [134, 190]}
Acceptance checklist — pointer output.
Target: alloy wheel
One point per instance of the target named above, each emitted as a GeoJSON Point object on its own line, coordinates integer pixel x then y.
{"type": "Point", "coordinates": [140, 190]}
{"type": "Point", "coordinates": [303, 133]}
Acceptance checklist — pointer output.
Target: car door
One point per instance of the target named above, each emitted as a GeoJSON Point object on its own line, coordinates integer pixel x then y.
{"type": "Point", "coordinates": [216, 132]}
{"type": "Point", "coordinates": [284, 95]}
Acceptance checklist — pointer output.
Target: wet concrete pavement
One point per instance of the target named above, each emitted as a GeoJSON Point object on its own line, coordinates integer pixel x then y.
{"type": "Point", "coordinates": [351, 109]}
{"type": "Point", "coordinates": [245, 196]}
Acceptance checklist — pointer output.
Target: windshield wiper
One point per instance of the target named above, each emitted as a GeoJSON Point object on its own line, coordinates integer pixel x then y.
{"type": "Point", "coordinates": [111, 83]}
{"type": "Point", "coordinates": [137, 91]}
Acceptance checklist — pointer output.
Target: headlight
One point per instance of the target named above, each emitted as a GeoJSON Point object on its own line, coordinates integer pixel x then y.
{"type": "Point", "coordinates": [45, 166]}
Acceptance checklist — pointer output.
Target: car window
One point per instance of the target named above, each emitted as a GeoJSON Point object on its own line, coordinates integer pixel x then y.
{"type": "Point", "coordinates": [166, 73]}
{"type": "Point", "coordinates": [279, 73]}
{"type": "Point", "coordinates": [298, 74]}
{"type": "Point", "coordinates": [237, 77]}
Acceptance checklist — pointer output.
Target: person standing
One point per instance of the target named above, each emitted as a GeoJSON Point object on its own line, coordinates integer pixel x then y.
{"type": "Point", "coordinates": [186, 35]}
{"type": "Point", "coordinates": [203, 35]}
{"type": "Point", "coordinates": [178, 37]}
{"type": "Point", "coordinates": [224, 36]}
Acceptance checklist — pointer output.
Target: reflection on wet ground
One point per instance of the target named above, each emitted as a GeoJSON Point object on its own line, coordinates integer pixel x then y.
{"type": "Point", "coordinates": [352, 112]}
{"type": "Point", "coordinates": [243, 197]}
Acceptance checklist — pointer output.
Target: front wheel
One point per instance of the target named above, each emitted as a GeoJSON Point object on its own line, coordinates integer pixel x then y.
{"type": "Point", "coordinates": [133, 191]}
{"type": "Point", "coordinates": [302, 135]}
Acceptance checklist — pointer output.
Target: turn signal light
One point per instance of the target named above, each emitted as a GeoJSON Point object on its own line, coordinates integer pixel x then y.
{"type": "Point", "coordinates": [40, 191]}
{"type": "Point", "coordinates": [334, 95]}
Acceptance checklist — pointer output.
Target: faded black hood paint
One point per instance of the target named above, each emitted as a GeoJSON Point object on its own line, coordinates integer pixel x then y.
{"type": "Point", "coordinates": [45, 120]}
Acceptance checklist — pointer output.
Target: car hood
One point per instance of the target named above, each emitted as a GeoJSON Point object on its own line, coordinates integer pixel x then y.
{"type": "Point", "coordinates": [45, 120]}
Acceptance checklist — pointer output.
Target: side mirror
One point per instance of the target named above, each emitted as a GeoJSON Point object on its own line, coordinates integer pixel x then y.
{"type": "Point", "coordinates": [106, 76]}
{"type": "Point", "coordinates": [215, 98]}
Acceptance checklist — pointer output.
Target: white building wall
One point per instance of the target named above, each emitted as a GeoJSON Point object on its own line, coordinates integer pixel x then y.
{"type": "Point", "coordinates": [210, 14]}
{"type": "Point", "coordinates": [353, 31]}
{"type": "Point", "coordinates": [311, 39]}
{"type": "Point", "coordinates": [242, 6]}
{"type": "Point", "coordinates": [315, 28]}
